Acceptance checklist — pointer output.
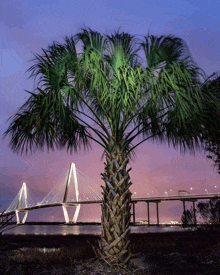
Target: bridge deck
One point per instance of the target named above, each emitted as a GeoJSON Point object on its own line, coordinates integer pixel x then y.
{"type": "Point", "coordinates": [188, 197]}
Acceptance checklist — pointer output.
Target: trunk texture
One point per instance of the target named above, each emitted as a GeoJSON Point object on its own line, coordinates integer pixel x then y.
{"type": "Point", "coordinates": [115, 243]}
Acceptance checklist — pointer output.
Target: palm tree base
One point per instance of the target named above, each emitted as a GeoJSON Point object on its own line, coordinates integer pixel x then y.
{"type": "Point", "coordinates": [111, 254]}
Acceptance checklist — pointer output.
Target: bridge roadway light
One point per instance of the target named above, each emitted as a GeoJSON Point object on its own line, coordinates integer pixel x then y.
{"type": "Point", "coordinates": [166, 194]}
{"type": "Point", "coordinates": [206, 191]}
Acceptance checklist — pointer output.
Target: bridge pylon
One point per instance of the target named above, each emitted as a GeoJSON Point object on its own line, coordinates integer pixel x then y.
{"type": "Point", "coordinates": [22, 195]}
{"type": "Point", "coordinates": [72, 170]}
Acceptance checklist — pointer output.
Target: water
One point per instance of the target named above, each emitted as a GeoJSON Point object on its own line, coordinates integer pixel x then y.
{"type": "Point", "coordinates": [44, 249]}
{"type": "Point", "coordinates": [63, 229]}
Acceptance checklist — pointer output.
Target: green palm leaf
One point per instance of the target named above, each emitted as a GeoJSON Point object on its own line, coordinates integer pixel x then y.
{"type": "Point", "coordinates": [46, 121]}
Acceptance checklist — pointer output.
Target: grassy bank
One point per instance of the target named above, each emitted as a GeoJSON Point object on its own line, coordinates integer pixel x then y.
{"type": "Point", "coordinates": [189, 252]}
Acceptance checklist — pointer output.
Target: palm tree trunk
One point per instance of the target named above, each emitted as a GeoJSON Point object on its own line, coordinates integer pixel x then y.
{"type": "Point", "coordinates": [115, 243]}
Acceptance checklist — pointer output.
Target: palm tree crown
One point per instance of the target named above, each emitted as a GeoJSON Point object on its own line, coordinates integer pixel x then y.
{"type": "Point", "coordinates": [112, 90]}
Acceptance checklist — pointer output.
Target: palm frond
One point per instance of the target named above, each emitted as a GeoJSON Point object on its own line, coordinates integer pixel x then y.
{"type": "Point", "coordinates": [45, 119]}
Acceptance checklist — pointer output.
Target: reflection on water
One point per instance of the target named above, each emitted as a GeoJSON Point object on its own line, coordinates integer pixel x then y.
{"type": "Point", "coordinates": [44, 249]}
{"type": "Point", "coordinates": [63, 229]}
{"type": "Point", "coordinates": [154, 229]}
{"type": "Point", "coordinates": [54, 229]}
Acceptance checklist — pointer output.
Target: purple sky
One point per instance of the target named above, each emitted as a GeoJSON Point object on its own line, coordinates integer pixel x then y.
{"type": "Point", "coordinates": [26, 26]}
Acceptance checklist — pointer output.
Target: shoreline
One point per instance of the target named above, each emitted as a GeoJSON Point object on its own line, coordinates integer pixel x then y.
{"type": "Point", "coordinates": [59, 229]}
{"type": "Point", "coordinates": [58, 240]}
{"type": "Point", "coordinates": [99, 223]}
{"type": "Point", "coordinates": [94, 229]}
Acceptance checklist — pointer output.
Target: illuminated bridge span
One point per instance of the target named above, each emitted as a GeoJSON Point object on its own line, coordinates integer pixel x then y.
{"type": "Point", "coordinates": [78, 189]}
{"type": "Point", "coordinates": [66, 193]}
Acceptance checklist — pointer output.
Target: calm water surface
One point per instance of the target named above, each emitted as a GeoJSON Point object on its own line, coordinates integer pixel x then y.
{"type": "Point", "coordinates": [63, 229]}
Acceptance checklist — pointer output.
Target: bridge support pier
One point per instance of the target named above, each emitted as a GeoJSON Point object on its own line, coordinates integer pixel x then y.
{"type": "Point", "coordinates": [158, 223]}
{"type": "Point", "coordinates": [24, 218]}
{"type": "Point", "coordinates": [76, 213]}
{"type": "Point", "coordinates": [148, 211]}
{"type": "Point", "coordinates": [194, 212]}
{"type": "Point", "coordinates": [17, 217]}
{"type": "Point", "coordinates": [133, 213]}
{"type": "Point", "coordinates": [184, 206]}
{"type": "Point", "coordinates": [66, 216]}
{"type": "Point", "coordinates": [194, 209]}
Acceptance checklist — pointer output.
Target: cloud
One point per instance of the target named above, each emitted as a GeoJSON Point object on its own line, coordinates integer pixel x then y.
{"type": "Point", "coordinates": [13, 13]}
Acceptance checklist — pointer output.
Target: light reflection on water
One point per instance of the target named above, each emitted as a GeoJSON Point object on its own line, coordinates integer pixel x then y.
{"type": "Point", "coordinates": [54, 229]}
{"type": "Point", "coordinates": [44, 249]}
{"type": "Point", "coordinates": [63, 229]}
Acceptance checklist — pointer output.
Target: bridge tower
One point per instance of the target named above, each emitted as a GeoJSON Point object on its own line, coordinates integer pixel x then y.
{"type": "Point", "coordinates": [72, 170]}
{"type": "Point", "coordinates": [22, 197]}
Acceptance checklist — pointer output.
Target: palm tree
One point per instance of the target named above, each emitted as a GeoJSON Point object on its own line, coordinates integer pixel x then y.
{"type": "Point", "coordinates": [106, 86]}
{"type": "Point", "coordinates": [211, 135]}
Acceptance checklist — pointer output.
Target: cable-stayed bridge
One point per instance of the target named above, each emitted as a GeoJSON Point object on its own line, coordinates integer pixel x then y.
{"type": "Point", "coordinates": [66, 193]}
{"type": "Point", "coordinates": [77, 189]}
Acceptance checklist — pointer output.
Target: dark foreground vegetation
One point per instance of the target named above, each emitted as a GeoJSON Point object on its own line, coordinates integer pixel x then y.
{"type": "Point", "coordinates": [193, 252]}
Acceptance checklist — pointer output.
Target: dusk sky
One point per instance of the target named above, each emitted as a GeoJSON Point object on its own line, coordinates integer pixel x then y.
{"type": "Point", "coordinates": [26, 26]}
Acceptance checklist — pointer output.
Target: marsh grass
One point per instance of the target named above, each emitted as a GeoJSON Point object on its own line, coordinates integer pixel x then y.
{"type": "Point", "coordinates": [162, 253]}
{"type": "Point", "coordinates": [63, 256]}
